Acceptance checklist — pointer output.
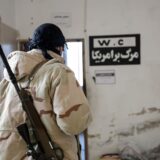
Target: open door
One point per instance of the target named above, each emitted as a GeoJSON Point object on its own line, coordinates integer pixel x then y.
{"type": "Point", "coordinates": [74, 58]}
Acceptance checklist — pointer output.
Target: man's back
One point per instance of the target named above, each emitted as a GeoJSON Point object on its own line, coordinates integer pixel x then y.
{"type": "Point", "coordinates": [57, 97]}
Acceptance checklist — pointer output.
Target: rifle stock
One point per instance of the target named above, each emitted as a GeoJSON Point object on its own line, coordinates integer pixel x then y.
{"type": "Point", "coordinates": [47, 150]}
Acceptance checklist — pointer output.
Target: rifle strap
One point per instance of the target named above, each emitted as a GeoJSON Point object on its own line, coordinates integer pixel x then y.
{"type": "Point", "coordinates": [26, 85]}
{"type": "Point", "coordinates": [35, 69]}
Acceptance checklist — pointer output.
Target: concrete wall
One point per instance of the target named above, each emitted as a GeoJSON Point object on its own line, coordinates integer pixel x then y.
{"type": "Point", "coordinates": [8, 34]}
{"type": "Point", "coordinates": [129, 110]}
{"type": "Point", "coordinates": [7, 12]}
{"type": "Point", "coordinates": [31, 13]}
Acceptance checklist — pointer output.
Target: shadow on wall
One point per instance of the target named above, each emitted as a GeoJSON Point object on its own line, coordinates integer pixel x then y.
{"type": "Point", "coordinates": [8, 40]}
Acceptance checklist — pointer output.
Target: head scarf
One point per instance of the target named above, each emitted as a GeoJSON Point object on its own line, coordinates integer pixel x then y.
{"type": "Point", "coordinates": [47, 37]}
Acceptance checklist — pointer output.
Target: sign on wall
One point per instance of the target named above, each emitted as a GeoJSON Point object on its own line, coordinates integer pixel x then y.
{"type": "Point", "coordinates": [62, 19]}
{"type": "Point", "coordinates": [114, 49]}
{"type": "Point", "coordinates": [105, 77]}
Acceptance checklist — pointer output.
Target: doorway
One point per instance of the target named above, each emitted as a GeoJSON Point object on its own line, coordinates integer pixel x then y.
{"type": "Point", "coordinates": [74, 58]}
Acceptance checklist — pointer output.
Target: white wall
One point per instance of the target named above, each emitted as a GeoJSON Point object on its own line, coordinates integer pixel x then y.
{"type": "Point", "coordinates": [8, 33]}
{"type": "Point", "coordinates": [31, 13]}
{"type": "Point", "coordinates": [128, 110]}
{"type": "Point", "coordinates": [7, 12]}
{"type": "Point", "coordinates": [7, 29]}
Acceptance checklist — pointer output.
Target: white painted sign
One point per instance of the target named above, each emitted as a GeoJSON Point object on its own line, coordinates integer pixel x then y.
{"type": "Point", "coordinates": [114, 42]}
{"type": "Point", "coordinates": [105, 77]}
{"type": "Point", "coordinates": [62, 19]}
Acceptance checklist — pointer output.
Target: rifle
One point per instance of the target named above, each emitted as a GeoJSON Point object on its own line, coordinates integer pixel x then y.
{"type": "Point", "coordinates": [43, 148]}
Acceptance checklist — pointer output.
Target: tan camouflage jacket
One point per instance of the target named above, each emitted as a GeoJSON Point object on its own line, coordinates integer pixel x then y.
{"type": "Point", "coordinates": [57, 96]}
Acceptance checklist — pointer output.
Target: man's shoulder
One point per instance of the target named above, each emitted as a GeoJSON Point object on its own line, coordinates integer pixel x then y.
{"type": "Point", "coordinates": [16, 54]}
{"type": "Point", "coordinates": [61, 67]}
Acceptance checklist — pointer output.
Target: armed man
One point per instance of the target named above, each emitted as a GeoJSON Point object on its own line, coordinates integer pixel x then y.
{"type": "Point", "coordinates": [42, 106]}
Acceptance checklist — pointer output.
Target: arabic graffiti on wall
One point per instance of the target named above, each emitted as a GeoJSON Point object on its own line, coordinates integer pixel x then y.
{"type": "Point", "coordinates": [114, 49]}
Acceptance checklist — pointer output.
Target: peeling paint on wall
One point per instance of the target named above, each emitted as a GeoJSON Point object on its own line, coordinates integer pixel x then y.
{"type": "Point", "coordinates": [154, 109]}
{"type": "Point", "coordinates": [112, 122]}
{"type": "Point", "coordinates": [147, 125]}
{"type": "Point", "coordinates": [144, 111]}
{"type": "Point", "coordinates": [106, 142]}
{"type": "Point", "coordinates": [126, 132]}
{"type": "Point", "coordinates": [112, 125]}
{"type": "Point", "coordinates": [153, 154]}
{"type": "Point", "coordinates": [94, 136]}
{"type": "Point", "coordinates": [109, 140]}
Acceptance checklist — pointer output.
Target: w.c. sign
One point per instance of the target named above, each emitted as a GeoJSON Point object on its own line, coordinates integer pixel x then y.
{"type": "Point", "coordinates": [114, 49]}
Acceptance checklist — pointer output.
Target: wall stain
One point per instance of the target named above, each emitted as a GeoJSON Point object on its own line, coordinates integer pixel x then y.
{"type": "Point", "coordinates": [139, 128]}
{"type": "Point", "coordinates": [147, 125]}
{"type": "Point", "coordinates": [153, 154]}
{"type": "Point", "coordinates": [127, 132]}
{"type": "Point", "coordinates": [154, 109]}
{"type": "Point", "coordinates": [112, 125]}
{"type": "Point", "coordinates": [108, 141]}
{"type": "Point", "coordinates": [112, 122]}
{"type": "Point", "coordinates": [94, 136]}
{"type": "Point", "coordinates": [143, 111]}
